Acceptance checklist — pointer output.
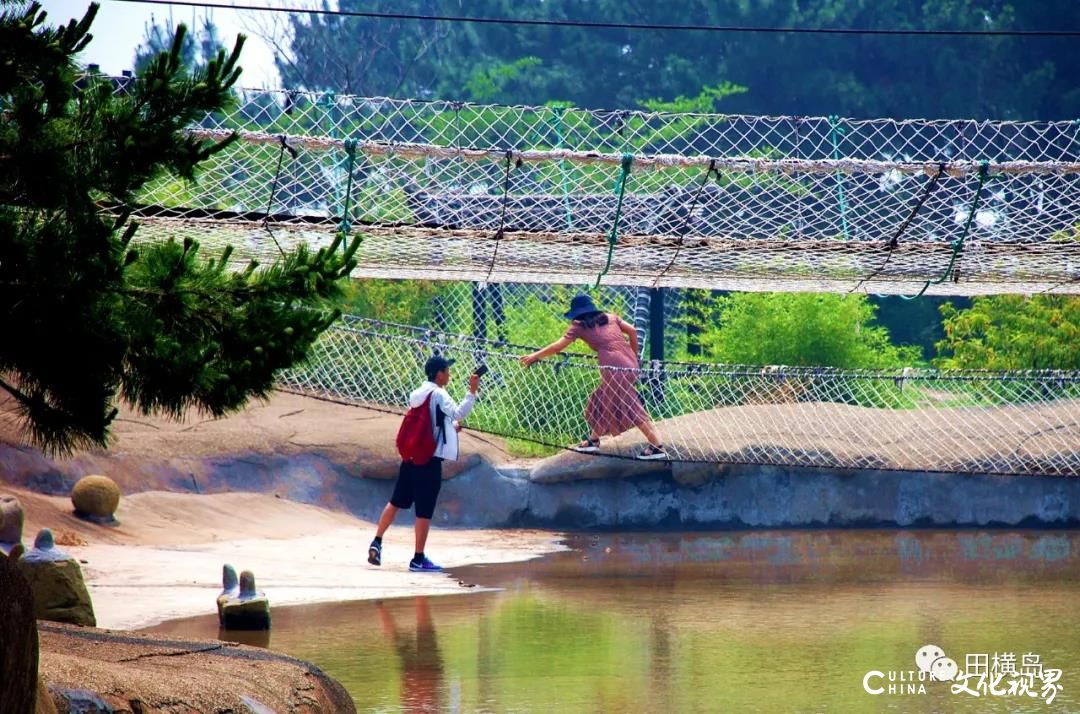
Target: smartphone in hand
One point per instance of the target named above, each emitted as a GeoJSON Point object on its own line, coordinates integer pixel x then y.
{"type": "Point", "coordinates": [481, 370]}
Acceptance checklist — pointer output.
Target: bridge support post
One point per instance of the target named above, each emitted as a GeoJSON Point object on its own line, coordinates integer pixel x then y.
{"type": "Point", "coordinates": [656, 344]}
{"type": "Point", "coordinates": [479, 312]}
{"type": "Point", "coordinates": [498, 311]}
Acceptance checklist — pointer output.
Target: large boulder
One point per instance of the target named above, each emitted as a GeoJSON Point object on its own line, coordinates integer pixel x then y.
{"type": "Point", "coordinates": [11, 522]}
{"type": "Point", "coordinates": [18, 642]}
{"type": "Point", "coordinates": [132, 672]}
{"type": "Point", "coordinates": [96, 498]}
{"type": "Point", "coordinates": [56, 580]}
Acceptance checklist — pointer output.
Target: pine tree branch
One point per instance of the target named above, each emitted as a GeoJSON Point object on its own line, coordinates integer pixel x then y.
{"type": "Point", "coordinates": [15, 392]}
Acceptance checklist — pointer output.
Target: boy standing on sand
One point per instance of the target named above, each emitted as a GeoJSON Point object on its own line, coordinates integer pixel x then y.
{"type": "Point", "coordinates": [420, 478]}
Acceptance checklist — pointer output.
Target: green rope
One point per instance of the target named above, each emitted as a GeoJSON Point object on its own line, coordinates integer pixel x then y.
{"type": "Point", "coordinates": [837, 130]}
{"type": "Point", "coordinates": [958, 244]}
{"type": "Point", "coordinates": [562, 167]}
{"type": "Point", "coordinates": [329, 101]}
{"type": "Point", "coordinates": [345, 225]}
{"type": "Point", "coordinates": [613, 236]}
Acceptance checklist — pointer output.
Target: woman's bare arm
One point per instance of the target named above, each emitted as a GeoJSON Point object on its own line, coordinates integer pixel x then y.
{"type": "Point", "coordinates": [629, 331]}
{"type": "Point", "coordinates": [553, 349]}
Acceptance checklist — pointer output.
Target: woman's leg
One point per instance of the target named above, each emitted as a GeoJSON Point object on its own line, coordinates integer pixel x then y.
{"type": "Point", "coordinates": [649, 430]}
{"type": "Point", "coordinates": [593, 416]}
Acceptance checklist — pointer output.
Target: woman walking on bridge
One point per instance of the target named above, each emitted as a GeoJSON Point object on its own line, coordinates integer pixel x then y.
{"type": "Point", "coordinates": [614, 406]}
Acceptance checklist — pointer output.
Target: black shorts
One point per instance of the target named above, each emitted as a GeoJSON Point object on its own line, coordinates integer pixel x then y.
{"type": "Point", "coordinates": [419, 484]}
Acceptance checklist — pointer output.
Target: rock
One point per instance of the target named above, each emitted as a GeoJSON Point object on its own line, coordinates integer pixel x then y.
{"type": "Point", "coordinates": [74, 699]}
{"type": "Point", "coordinates": [572, 466]}
{"type": "Point", "coordinates": [481, 497]}
{"type": "Point", "coordinates": [140, 674]}
{"type": "Point", "coordinates": [249, 610]}
{"type": "Point", "coordinates": [11, 522]}
{"type": "Point", "coordinates": [18, 641]}
{"type": "Point", "coordinates": [56, 581]}
{"type": "Point", "coordinates": [230, 589]}
{"type": "Point", "coordinates": [96, 498]}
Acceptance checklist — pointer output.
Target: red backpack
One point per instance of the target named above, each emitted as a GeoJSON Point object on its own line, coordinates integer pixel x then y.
{"type": "Point", "coordinates": [415, 437]}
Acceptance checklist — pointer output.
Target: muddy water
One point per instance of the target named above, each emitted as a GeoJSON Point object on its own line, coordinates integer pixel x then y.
{"type": "Point", "coordinates": [782, 621]}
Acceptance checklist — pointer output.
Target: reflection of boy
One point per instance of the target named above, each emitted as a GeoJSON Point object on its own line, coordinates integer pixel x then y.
{"type": "Point", "coordinates": [420, 484]}
{"type": "Point", "coordinates": [421, 662]}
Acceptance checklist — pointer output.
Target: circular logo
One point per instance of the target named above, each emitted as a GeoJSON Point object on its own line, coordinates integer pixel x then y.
{"type": "Point", "coordinates": [926, 655]}
{"type": "Point", "coordinates": [944, 669]}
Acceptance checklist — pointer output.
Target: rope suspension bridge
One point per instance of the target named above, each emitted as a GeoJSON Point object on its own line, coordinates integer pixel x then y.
{"type": "Point", "coordinates": [444, 190]}
{"type": "Point", "coordinates": [645, 200]}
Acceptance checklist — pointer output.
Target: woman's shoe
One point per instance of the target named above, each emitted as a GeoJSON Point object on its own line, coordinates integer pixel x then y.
{"type": "Point", "coordinates": [588, 445]}
{"type": "Point", "coordinates": [653, 453]}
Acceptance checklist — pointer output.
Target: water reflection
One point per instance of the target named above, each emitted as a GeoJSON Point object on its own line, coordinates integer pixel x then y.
{"type": "Point", "coordinates": [755, 622]}
{"type": "Point", "coordinates": [419, 660]}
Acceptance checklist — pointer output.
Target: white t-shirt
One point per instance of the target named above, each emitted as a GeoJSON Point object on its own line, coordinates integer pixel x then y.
{"type": "Point", "coordinates": [452, 412]}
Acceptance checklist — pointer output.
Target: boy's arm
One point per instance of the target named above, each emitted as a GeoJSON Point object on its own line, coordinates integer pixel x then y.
{"type": "Point", "coordinates": [454, 410]}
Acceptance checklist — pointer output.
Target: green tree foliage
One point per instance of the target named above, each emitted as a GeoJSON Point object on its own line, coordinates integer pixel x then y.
{"type": "Point", "coordinates": [801, 329]}
{"type": "Point", "coordinates": [197, 49]}
{"type": "Point", "coordinates": [366, 56]}
{"type": "Point", "coordinates": [487, 84]}
{"type": "Point", "coordinates": [89, 316]}
{"type": "Point", "coordinates": [1012, 332]}
{"type": "Point", "coordinates": [407, 302]}
{"type": "Point", "coordinates": [857, 75]}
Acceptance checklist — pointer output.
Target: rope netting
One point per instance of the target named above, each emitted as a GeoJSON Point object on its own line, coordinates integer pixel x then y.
{"type": "Point", "coordinates": [452, 191]}
{"type": "Point", "coordinates": [909, 419]}
{"type": "Point", "coordinates": [522, 312]}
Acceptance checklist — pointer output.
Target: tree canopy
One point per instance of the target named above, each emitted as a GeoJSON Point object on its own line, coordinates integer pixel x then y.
{"type": "Point", "coordinates": [196, 50]}
{"type": "Point", "coordinates": [801, 329]}
{"type": "Point", "coordinates": [88, 314]}
{"type": "Point", "coordinates": [1012, 332]}
{"type": "Point", "coordinates": [850, 75]}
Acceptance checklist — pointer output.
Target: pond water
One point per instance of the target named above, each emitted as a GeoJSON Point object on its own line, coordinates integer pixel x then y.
{"type": "Point", "coordinates": [779, 621]}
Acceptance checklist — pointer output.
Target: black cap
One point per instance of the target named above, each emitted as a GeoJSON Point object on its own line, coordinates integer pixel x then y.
{"type": "Point", "coordinates": [435, 365]}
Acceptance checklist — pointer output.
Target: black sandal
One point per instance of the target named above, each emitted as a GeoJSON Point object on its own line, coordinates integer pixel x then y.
{"type": "Point", "coordinates": [653, 453]}
{"type": "Point", "coordinates": [587, 445]}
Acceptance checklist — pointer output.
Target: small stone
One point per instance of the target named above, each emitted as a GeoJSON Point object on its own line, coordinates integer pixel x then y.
{"type": "Point", "coordinates": [229, 581]}
{"type": "Point", "coordinates": [44, 540]}
{"type": "Point", "coordinates": [230, 588]}
{"type": "Point", "coordinates": [247, 585]}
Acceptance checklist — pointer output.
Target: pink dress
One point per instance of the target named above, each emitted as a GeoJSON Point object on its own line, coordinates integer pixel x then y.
{"type": "Point", "coordinates": [614, 406]}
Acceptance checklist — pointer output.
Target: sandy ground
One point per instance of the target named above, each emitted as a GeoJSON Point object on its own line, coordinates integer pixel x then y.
{"type": "Point", "coordinates": [164, 560]}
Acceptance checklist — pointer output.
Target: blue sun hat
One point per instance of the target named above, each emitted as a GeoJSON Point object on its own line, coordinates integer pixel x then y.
{"type": "Point", "coordinates": [580, 305]}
